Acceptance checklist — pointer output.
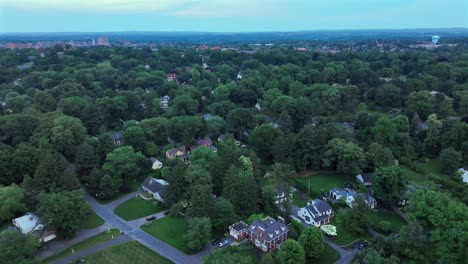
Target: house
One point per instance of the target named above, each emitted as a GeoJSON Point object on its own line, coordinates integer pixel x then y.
{"type": "Point", "coordinates": [164, 102]}
{"type": "Point", "coordinates": [464, 174]}
{"type": "Point", "coordinates": [282, 194]}
{"type": "Point", "coordinates": [180, 153]}
{"type": "Point", "coordinates": [268, 234]}
{"type": "Point", "coordinates": [238, 230]}
{"type": "Point", "coordinates": [223, 136]}
{"type": "Point", "coordinates": [117, 138]}
{"type": "Point", "coordinates": [155, 164]}
{"type": "Point", "coordinates": [30, 223]}
{"type": "Point", "coordinates": [171, 77]}
{"type": "Point", "coordinates": [204, 143]}
{"type": "Point", "coordinates": [317, 212]}
{"type": "Point", "coordinates": [157, 187]}
{"type": "Point", "coordinates": [365, 178]}
{"type": "Point", "coordinates": [349, 197]}
{"type": "Point", "coordinates": [348, 125]}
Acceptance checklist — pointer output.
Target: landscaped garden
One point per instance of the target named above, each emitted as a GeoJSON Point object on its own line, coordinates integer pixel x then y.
{"type": "Point", "coordinates": [321, 181]}
{"type": "Point", "coordinates": [91, 221]}
{"type": "Point", "coordinates": [90, 242]}
{"type": "Point", "coordinates": [170, 229]}
{"type": "Point", "coordinates": [137, 207]}
{"type": "Point", "coordinates": [126, 253]}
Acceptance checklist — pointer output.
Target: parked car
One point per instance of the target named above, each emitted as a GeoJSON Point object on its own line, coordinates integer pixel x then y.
{"type": "Point", "coordinates": [223, 243]}
{"type": "Point", "coordinates": [216, 241]}
{"type": "Point", "coordinates": [166, 213]}
{"type": "Point", "coordinates": [151, 218]}
{"type": "Point", "coordinates": [362, 245]}
{"type": "Point", "coordinates": [396, 235]}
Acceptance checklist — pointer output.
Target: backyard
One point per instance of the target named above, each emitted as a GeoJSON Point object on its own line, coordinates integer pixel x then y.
{"type": "Point", "coordinates": [126, 253]}
{"type": "Point", "coordinates": [90, 242]}
{"type": "Point", "coordinates": [136, 208]}
{"type": "Point", "coordinates": [321, 181]}
{"type": "Point", "coordinates": [170, 229]}
{"type": "Point", "coordinates": [384, 215]}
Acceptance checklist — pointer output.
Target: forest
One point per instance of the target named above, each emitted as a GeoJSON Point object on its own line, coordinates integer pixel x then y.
{"type": "Point", "coordinates": [281, 113]}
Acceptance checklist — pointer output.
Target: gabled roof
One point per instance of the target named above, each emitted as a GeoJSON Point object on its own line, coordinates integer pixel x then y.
{"type": "Point", "coordinates": [156, 186]}
{"type": "Point", "coordinates": [272, 229]}
{"type": "Point", "coordinates": [173, 151]}
{"type": "Point", "coordinates": [27, 222]}
{"type": "Point", "coordinates": [367, 177]}
{"type": "Point", "coordinates": [319, 206]}
{"type": "Point", "coordinates": [117, 135]}
{"type": "Point", "coordinates": [204, 142]}
{"type": "Point", "coordinates": [239, 226]}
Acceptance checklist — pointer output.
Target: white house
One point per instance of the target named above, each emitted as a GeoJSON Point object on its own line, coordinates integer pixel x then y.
{"type": "Point", "coordinates": [464, 175]}
{"type": "Point", "coordinates": [281, 195]}
{"type": "Point", "coordinates": [29, 223]}
{"type": "Point", "coordinates": [155, 164]}
{"type": "Point", "coordinates": [349, 197]}
{"type": "Point", "coordinates": [316, 213]}
{"type": "Point", "coordinates": [157, 187]}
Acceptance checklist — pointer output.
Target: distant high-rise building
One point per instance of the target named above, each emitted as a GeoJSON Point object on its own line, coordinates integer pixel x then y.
{"type": "Point", "coordinates": [103, 40]}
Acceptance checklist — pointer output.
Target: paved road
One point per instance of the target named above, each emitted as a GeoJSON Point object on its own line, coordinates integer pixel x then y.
{"type": "Point", "coordinates": [132, 229]}
{"type": "Point", "coordinates": [78, 255]}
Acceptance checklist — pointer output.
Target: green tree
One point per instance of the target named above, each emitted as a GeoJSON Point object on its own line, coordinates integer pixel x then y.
{"type": "Point", "coordinates": [85, 159]}
{"type": "Point", "coordinates": [224, 256]}
{"type": "Point", "coordinates": [200, 202]}
{"type": "Point", "coordinates": [345, 156]}
{"type": "Point", "coordinates": [135, 137]}
{"type": "Point", "coordinates": [184, 128]}
{"type": "Point", "coordinates": [108, 187]}
{"type": "Point", "coordinates": [384, 131]}
{"type": "Point", "coordinates": [184, 105]}
{"type": "Point", "coordinates": [388, 183]}
{"type": "Point", "coordinates": [450, 160]}
{"type": "Point", "coordinates": [198, 232]}
{"type": "Point", "coordinates": [240, 119]}
{"type": "Point", "coordinates": [11, 202]}
{"type": "Point", "coordinates": [178, 185]}
{"type": "Point", "coordinates": [25, 160]}
{"type": "Point", "coordinates": [16, 247]}
{"type": "Point", "coordinates": [356, 219]}
{"type": "Point", "coordinates": [63, 211]}
{"type": "Point", "coordinates": [414, 244]}
{"type": "Point", "coordinates": [311, 240]}
{"type": "Point", "coordinates": [432, 141]}
{"type": "Point", "coordinates": [155, 129]}
{"type": "Point", "coordinates": [380, 156]}
{"type": "Point", "coordinates": [44, 102]}
{"type": "Point", "coordinates": [122, 163]}
{"type": "Point", "coordinates": [223, 215]}
{"type": "Point", "coordinates": [291, 252]}
{"type": "Point", "coordinates": [261, 140]}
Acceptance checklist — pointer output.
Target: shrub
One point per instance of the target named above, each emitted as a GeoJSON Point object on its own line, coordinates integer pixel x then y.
{"type": "Point", "coordinates": [385, 227]}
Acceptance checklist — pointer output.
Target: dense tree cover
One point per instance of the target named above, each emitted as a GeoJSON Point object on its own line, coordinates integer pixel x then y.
{"type": "Point", "coordinates": [16, 247]}
{"type": "Point", "coordinates": [291, 252]}
{"type": "Point", "coordinates": [311, 240]}
{"type": "Point", "coordinates": [198, 232]}
{"type": "Point", "coordinates": [226, 256]}
{"type": "Point", "coordinates": [11, 202]}
{"type": "Point", "coordinates": [292, 111]}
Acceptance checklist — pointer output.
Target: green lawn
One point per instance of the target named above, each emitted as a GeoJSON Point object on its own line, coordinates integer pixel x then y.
{"type": "Point", "coordinates": [126, 253]}
{"type": "Point", "coordinates": [298, 201]}
{"type": "Point", "coordinates": [329, 256]}
{"type": "Point", "coordinates": [170, 229]}
{"type": "Point", "coordinates": [137, 208]}
{"type": "Point", "coordinates": [104, 63]}
{"type": "Point", "coordinates": [92, 221]}
{"type": "Point", "coordinates": [381, 215]}
{"type": "Point", "coordinates": [321, 181]}
{"type": "Point", "coordinates": [90, 242]}
{"type": "Point", "coordinates": [413, 176]}
{"type": "Point", "coordinates": [431, 168]}
{"type": "Point", "coordinates": [345, 237]}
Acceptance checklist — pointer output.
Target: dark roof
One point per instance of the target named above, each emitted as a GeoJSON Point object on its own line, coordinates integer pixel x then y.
{"type": "Point", "coordinates": [281, 189]}
{"type": "Point", "coordinates": [321, 218]}
{"type": "Point", "coordinates": [272, 228]}
{"type": "Point", "coordinates": [321, 205]}
{"type": "Point", "coordinates": [367, 177]}
{"type": "Point", "coordinates": [117, 135]}
{"type": "Point", "coordinates": [239, 226]}
{"type": "Point", "coordinates": [173, 151]}
{"type": "Point", "coordinates": [204, 142]}
{"type": "Point", "coordinates": [155, 186]}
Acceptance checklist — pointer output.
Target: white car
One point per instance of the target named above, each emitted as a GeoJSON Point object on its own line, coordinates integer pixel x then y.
{"type": "Point", "coordinates": [222, 243]}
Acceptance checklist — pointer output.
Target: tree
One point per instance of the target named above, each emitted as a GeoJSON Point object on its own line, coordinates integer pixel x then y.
{"type": "Point", "coordinates": [413, 242]}
{"type": "Point", "coordinates": [311, 240]}
{"type": "Point", "coordinates": [388, 183]}
{"type": "Point", "coordinates": [225, 256]}
{"type": "Point", "coordinates": [11, 202]}
{"type": "Point", "coordinates": [291, 252]}
{"type": "Point", "coordinates": [178, 185]}
{"type": "Point", "coordinates": [223, 215]}
{"type": "Point", "coordinates": [184, 105]}
{"type": "Point", "coordinates": [370, 255]}
{"type": "Point", "coordinates": [44, 102]}
{"type": "Point", "coordinates": [108, 187]}
{"type": "Point", "coordinates": [356, 219]}
{"type": "Point", "coordinates": [16, 247]}
{"type": "Point", "coordinates": [346, 156]}
{"type": "Point", "coordinates": [25, 160]}
{"type": "Point", "coordinates": [135, 137]}
{"type": "Point", "coordinates": [85, 159]}
{"type": "Point", "coordinates": [450, 160]}
{"type": "Point", "coordinates": [122, 163]}
{"type": "Point", "coordinates": [63, 211]}
{"type": "Point", "coordinates": [155, 129]}
{"type": "Point", "coordinates": [261, 140]}
{"type": "Point", "coordinates": [239, 187]}
{"type": "Point", "coordinates": [446, 221]}
{"type": "Point", "coordinates": [380, 156]}
{"type": "Point", "coordinates": [384, 131]}
{"type": "Point", "coordinates": [240, 119]}
{"type": "Point", "coordinates": [432, 141]}
{"type": "Point", "coordinates": [184, 128]}
{"type": "Point", "coordinates": [200, 202]}
{"type": "Point", "coordinates": [198, 232]}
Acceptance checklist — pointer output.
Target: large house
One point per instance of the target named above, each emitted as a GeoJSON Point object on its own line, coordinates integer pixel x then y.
{"type": "Point", "coordinates": [180, 153]}
{"type": "Point", "coordinates": [157, 187]}
{"type": "Point", "coordinates": [365, 178]}
{"type": "Point", "coordinates": [349, 196]}
{"type": "Point", "coordinates": [30, 223]}
{"type": "Point", "coordinates": [316, 213]}
{"type": "Point", "coordinates": [238, 230]}
{"type": "Point", "coordinates": [268, 234]}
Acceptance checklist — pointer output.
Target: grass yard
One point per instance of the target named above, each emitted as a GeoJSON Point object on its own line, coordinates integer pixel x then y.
{"type": "Point", "coordinates": [104, 63]}
{"type": "Point", "coordinates": [298, 201]}
{"type": "Point", "coordinates": [137, 208]}
{"type": "Point", "coordinates": [321, 181]}
{"type": "Point", "coordinates": [90, 242]}
{"type": "Point", "coordinates": [126, 253]}
{"type": "Point", "coordinates": [170, 229]}
{"type": "Point", "coordinates": [413, 176]}
{"type": "Point", "coordinates": [345, 237]}
{"type": "Point", "coordinates": [383, 215]}
{"type": "Point", "coordinates": [329, 256]}
{"type": "Point", "coordinates": [92, 221]}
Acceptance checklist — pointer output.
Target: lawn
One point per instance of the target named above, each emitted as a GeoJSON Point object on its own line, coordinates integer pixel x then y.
{"type": "Point", "coordinates": [413, 176]}
{"type": "Point", "coordinates": [126, 253]}
{"type": "Point", "coordinates": [321, 181]}
{"type": "Point", "coordinates": [298, 201]}
{"type": "Point", "coordinates": [329, 256]}
{"type": "Point", "coordinates": [132, 185]}
{"type": "Point", "coordinates": [92, 221]}
{"type": "Point", "coordinates": [431, 168]}
{"type": "Point", "coordinates": [104, 63]}
{"type": "Point", "coordinates": [170, 229]}
{"type": "Point", "coordinates": [384, 215]}
{"type": "Point", "coordinates": [345, 237]}
{"type": "Point", "coordinates": [137, 208]}
{"type": "Point", "coordinates": [90, 242]}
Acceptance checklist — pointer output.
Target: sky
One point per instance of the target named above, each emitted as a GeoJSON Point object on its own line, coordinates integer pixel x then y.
{"type": "Point", "coordinates": [228, 15]}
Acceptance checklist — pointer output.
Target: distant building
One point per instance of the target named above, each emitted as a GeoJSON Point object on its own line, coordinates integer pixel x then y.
{"type": "Point", "coordinates": [155, 163]}
{"type": "Point", "coordinates": [180, 153]}
{"type": "Point", "coordinates": [349, 196]}
{"type": "Point", "coordinates": [171, 77]}
{"type": "Point", "coordinates": [103, 40]}
{"type": "Point", "coordinates": [117, 138]}
{"type": "Point", "coordinates": [464, 174]}
{"type": "Point", "coordinates": [365, 178]}
{"type": "Point", "coordinates": [157, 187]}
{"type": "Point", "coordinates": [29, 224]}
{"type": "Point", "coordinates": [268, 234]}
{"type": "Point", "coordinates": [164, 102]}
